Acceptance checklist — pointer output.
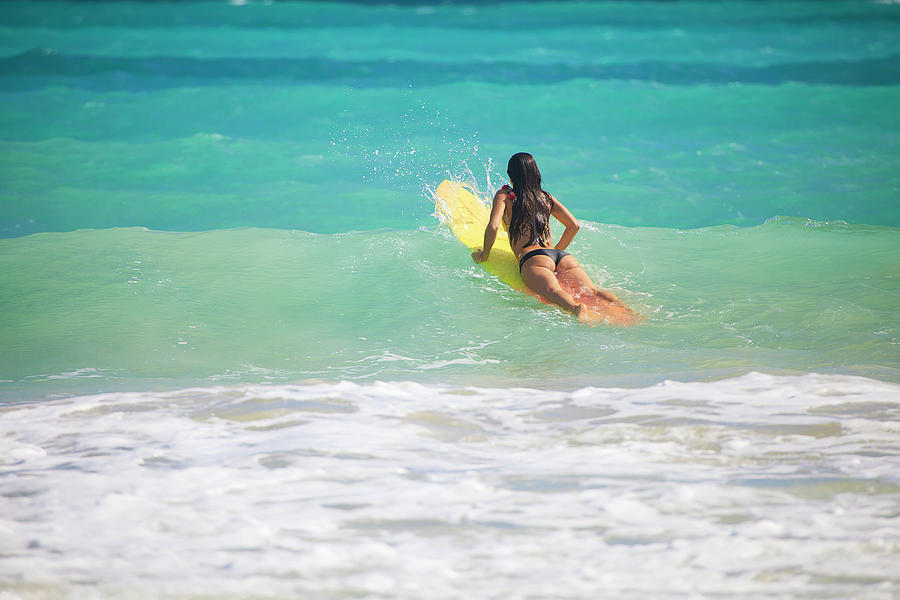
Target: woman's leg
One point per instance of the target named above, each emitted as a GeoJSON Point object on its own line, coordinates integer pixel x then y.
{"type": "Point", "coordinates": [538, 274]}
{"type": "Point", "coordinates": [570, 268]}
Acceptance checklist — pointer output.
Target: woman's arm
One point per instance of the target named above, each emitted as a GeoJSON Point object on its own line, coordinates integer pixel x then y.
{"type": "Point", "coordinates": [562, 214]}
{"type": "Point", "coordinates": [490, 232]}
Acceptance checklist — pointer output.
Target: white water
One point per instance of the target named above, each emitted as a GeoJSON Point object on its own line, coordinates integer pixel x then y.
{"type": "Point", "coordinates": [754, 487]}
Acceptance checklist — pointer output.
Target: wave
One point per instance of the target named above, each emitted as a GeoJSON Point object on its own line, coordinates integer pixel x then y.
{"type": "Point", "coordinates": [471, 14]}
{"type": "Point", "coordinates": [275, 305]}
{"type": "Point", "coordinates": [41, 68]}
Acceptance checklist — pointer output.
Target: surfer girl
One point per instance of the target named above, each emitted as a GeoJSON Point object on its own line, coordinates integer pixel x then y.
{"type": "Point", "coordinates": [525, 211]}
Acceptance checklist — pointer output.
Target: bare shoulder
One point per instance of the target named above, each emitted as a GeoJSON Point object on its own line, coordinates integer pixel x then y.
{"type": "Point", "coordinates": [553, 201]}
{"type": "Point", "coordinates": [559, 210]}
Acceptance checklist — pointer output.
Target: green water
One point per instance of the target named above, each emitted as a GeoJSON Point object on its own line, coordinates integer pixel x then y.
{"type": "Point", "coordinates": [138, 306]}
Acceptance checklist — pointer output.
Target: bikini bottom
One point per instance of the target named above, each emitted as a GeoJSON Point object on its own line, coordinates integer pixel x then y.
{"type": "Point", "coordinates": [553, 253]}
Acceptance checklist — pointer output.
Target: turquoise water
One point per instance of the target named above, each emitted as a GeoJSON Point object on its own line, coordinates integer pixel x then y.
{"type": "Point", "coordinates": [220, 263]}
{"type": "Point", "coordinates": [133, 308]}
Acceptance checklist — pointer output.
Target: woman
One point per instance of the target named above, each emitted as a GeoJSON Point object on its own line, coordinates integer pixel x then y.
{"type": "Point", "coordinates": [525, 212]}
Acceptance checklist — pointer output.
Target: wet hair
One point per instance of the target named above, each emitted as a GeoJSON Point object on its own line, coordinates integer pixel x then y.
{"type": "Point", "coordinates": [531, 207]}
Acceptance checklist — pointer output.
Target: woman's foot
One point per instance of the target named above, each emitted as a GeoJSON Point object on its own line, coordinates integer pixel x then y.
{"type": "Point", "coordinates": [606, 295]}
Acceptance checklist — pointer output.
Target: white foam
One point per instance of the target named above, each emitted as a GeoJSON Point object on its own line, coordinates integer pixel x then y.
{"type": "Point", "coordinates": [758, 486]}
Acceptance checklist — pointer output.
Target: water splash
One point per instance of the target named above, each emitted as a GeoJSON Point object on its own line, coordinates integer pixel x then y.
{"type": "Point", "coordinates": [415, 150]}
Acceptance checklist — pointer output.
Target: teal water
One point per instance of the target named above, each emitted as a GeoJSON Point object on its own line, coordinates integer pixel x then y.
{"type": "Point", "coordinates": [668, 115]}
{"type": "Point", "coordinates": [241, 356]}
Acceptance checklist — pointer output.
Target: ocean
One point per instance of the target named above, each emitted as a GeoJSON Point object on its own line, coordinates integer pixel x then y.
{"type": "Point", "coordinates": [243, 358]}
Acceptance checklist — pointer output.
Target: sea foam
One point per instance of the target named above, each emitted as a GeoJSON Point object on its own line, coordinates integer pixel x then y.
{"type": "Point", "coordinates": [750, 487]}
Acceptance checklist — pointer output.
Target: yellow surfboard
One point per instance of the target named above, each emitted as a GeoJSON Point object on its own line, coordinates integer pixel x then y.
{"type": "Point", "coordinates": [467, 216]}
{"type": "Point", "coordinates": [460, 209]}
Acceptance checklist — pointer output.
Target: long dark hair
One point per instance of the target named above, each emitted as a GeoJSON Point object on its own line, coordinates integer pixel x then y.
{"type": "Point", "coordinates": [531, 207]}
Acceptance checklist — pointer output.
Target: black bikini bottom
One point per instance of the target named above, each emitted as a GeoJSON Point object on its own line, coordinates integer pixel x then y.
{"type": "Point", "coordinates": [553, 253]}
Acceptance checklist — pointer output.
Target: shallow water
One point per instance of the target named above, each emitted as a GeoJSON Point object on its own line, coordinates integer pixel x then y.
{"type": "Point", "coordinates": [243, 358]}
